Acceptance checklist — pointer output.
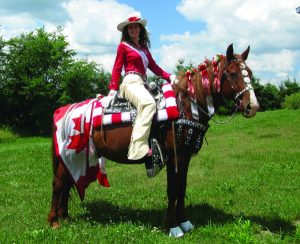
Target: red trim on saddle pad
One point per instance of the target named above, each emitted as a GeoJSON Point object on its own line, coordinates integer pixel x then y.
{"type": "Point", "coordinates": [171, 111]}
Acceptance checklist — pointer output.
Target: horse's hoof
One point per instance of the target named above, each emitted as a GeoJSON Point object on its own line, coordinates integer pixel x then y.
{"type": "Point", "coordinates": [55, 225]}
{"type": "Point", "coordinates": [186, 226]}
{"type": "Point", "coordinates": [176, 232]}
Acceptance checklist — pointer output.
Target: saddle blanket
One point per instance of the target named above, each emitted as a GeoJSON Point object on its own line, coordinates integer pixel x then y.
{"type": "Point", "coordinates": [170, 112]}
{"type": "Point", "coordinates": [73, 143]}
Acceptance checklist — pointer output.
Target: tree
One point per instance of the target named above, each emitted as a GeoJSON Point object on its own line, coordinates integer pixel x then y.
{"type": "Point", "coordinates": [287, 88]}
{"type": "Point", "coordinates": [292, 101]}
{"type": "Point", "coordinates": [33, 69]}
{"type": "Point", "coordinates": [2, 61]}
{"type": "Point", "coordinates": [40, 74]}
{"type": "Point", "coordinates": [83, 80]}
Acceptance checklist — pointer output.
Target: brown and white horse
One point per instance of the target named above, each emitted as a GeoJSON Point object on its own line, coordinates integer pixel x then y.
{"type": "Point", "coordinates": [198, 92]}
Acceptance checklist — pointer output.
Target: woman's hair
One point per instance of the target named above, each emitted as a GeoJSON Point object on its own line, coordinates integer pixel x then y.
{"type": "Point", "coordinates": [144, 40]}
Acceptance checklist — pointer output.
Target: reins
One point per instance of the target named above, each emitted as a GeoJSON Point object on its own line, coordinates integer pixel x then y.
{"type": "Point", "coordinates": [216, 121]}
{"type": "Point", "coordinates": [101, 131]}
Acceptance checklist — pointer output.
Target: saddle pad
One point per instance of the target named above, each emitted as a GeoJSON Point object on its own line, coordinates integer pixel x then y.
{"type": "Point", "coordinates": [171, 111]}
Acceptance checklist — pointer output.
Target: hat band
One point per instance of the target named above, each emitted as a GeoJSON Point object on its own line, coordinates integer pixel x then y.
{"type": "Point", "coordinates": [132, 19]}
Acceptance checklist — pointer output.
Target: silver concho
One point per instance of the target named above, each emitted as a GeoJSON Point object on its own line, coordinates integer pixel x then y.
{"type": "Point", "coordinates": [247, 80]}
{"type": "Point", "coordinates": [244, 72]}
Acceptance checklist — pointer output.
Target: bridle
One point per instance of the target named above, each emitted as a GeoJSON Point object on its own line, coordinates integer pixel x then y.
{"type": "Point", "coordinates": [238, 95]}
{"type": "Point", "coordinates": [246, 78]}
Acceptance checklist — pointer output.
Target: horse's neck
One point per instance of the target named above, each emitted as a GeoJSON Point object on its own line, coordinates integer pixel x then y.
{"type": "Point", "coordinates": [214, 78]}
{"type": "Point", "coordinates": [201, 96]}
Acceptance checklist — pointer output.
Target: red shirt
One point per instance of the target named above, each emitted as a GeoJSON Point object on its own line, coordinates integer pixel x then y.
{"type": "Point", "coordinates": [132, 61]}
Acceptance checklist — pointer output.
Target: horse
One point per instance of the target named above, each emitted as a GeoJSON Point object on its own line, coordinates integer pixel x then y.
{"type": "Point", "coordinates": [199, 92]}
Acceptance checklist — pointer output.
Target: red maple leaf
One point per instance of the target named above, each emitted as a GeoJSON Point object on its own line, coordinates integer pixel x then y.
{"type": "Point", "coordinates": [79, 141]}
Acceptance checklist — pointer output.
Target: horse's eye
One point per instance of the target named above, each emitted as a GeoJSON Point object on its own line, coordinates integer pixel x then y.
{"type": "Point", "coordinates": [233, 75]}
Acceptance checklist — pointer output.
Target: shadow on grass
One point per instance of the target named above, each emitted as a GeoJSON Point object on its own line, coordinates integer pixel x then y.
{"type": "Point", "coordinates": [203, 214]}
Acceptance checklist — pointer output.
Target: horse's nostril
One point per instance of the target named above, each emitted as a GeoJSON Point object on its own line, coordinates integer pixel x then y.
{"type": "Point", "coordinates": [248, 108]}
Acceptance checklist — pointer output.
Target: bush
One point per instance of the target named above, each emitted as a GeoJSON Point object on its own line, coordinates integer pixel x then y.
{"type": "Point", "coordinates": [292, 101]}
{"type": "Point", "coordinates": [38, 73]}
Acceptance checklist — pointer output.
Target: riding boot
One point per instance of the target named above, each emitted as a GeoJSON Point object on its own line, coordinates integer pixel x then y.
{"type": "Point", "coordinates": [156, 162]}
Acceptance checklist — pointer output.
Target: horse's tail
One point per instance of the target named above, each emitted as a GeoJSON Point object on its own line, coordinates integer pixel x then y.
{"type": "Point", "coordinates": [55, 160]}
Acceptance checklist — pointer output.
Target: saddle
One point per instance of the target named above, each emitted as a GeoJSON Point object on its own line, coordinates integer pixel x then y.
{"type": "Point", "coordinates": [158, 159]}
{"type": "Point", "coordinates": [121, 105]}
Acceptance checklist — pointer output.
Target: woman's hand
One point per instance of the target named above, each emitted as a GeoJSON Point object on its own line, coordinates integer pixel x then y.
{"type": "Point", "coordinates": [173, 79]}
{"type": "Point", "coordinates": [105, 101]}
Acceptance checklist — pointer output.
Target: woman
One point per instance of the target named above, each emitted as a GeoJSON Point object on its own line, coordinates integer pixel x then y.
{"type": "Point", "coordinates": [134, 56]}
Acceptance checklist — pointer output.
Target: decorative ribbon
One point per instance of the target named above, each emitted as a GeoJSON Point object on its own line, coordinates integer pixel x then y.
{"type": "Point", "coordinates": [132, 19]}
{"type": "Point", "coordinates": [191, 88]}
{"type": "Point", "coordinates": [205, 81]}
{"type": "Point", "coordinates": [217, 78]}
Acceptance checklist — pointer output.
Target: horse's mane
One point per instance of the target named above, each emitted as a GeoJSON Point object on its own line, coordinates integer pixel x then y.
{"type": "Point", "coordinates": [196, 79]}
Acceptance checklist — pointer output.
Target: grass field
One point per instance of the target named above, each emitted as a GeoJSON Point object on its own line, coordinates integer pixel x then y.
{"type": "Point", "coordinates": [243, 187]}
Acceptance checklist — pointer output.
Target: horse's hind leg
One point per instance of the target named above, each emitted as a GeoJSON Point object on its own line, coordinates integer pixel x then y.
{"type": "Point", "coordinates": [56, 194]}
{"type": "Point", "coordinates": [65, 190]}
{"type": "Point", "coordinates": [60, 195]}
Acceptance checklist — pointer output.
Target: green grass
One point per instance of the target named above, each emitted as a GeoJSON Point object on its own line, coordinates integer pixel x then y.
{"type": "Point", "coordinates": [243, 187]}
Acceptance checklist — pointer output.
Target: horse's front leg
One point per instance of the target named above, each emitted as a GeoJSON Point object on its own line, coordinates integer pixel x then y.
{"type": "Point", "coordinates": [183, 221]}
{"type": "Point", "coordinates": [172, 191]}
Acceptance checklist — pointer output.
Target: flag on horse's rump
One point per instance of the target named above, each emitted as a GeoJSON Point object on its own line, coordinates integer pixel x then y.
{"type": "Point", "coordinates": [74, 145]}
{"type": "Point", "coordinates": [73, 141]}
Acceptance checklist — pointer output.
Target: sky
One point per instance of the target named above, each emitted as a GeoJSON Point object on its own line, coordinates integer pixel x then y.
{"type": "Point", "coordinates": [180, 29]}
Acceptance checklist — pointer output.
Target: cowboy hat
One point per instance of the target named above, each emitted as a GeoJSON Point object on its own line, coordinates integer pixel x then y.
{"type": "Point", "coordinates": [134, 17]}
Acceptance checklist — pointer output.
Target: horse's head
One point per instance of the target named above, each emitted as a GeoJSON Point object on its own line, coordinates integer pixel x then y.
{"type": "Point", "coordinates": [237, 81]}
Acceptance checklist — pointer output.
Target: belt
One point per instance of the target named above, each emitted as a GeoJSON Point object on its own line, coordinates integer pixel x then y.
{"type": "Point", "coordinates": [144, 77]}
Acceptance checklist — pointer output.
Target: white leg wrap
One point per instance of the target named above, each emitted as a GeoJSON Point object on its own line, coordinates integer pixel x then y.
{"type": "Point", "coordinates": [186, 226]}
{"type": "Point", "coordinates": [176, 232]}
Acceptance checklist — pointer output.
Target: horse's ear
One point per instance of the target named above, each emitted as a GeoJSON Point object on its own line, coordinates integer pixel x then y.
{"type": "Point", "coordinates": [229, 53]}
{"type": "Point", "coordinates": [245, 53]}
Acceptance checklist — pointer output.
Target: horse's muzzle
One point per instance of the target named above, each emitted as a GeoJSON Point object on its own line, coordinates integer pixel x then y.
{"type": "Point", "coordinates": [250, 110]}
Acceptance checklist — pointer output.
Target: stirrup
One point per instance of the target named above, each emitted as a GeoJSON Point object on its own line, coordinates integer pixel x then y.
{"type": "Point", "coordinates": [157, 161]}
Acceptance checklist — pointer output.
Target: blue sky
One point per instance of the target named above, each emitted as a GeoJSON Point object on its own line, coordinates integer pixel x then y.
{"type": "Point", "coordinates": [181, 29]}
{"type": "Point", "coordinates": [164, 18]}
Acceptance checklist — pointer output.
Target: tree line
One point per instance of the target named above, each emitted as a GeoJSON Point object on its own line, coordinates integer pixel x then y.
{"type": "Point", "coordinates": [39, 73]}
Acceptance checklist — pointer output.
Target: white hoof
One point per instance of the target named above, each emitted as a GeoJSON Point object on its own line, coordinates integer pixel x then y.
{"type": "Point", "coordinates": [176, 232]}
{"type": "Point", "coordinates": [186, 226]}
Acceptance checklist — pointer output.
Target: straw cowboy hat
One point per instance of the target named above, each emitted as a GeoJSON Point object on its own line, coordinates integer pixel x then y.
{"type": "Point", "coordinates": [134, 17]}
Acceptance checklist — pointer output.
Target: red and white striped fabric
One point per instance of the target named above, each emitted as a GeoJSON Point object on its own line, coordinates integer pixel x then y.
{"type": "Point", "coordinates": [74, 145]}
{"type": "Point", "coordinates": [171, 111]}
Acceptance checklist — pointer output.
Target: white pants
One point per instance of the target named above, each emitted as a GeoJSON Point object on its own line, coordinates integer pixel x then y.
{"type": "Point", "coordinates": [133, 89]}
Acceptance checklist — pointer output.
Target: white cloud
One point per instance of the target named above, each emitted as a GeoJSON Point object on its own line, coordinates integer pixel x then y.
{"type": "Point", "coordinates": [49, 11]}
{"type": "Point", "coordinates": [92, 25]}
{"type": "Point", "coordinates": [281, 64]}
{"type": "Point", "coordinates": [269, 27]}
{"type": "Point", "coordinates": [92, 28]}
{"type": "Point", "coordinates": [89, 25]}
